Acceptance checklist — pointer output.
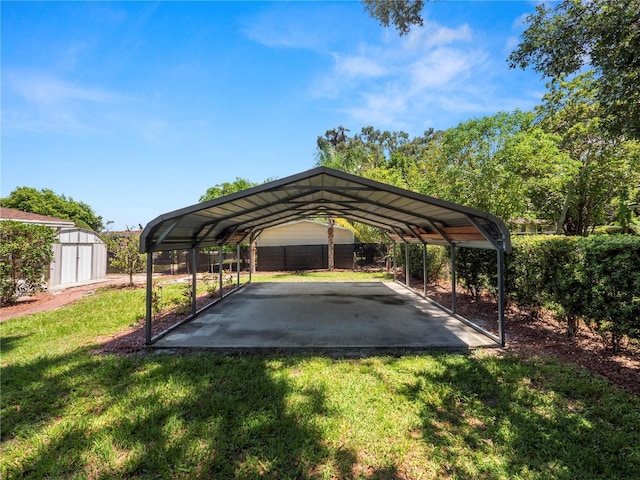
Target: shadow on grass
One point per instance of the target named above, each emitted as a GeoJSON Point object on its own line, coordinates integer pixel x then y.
{"type": "Point", "coordinates": [9, 342]}
{"type": "Point", "coordinates": [200, 416]}
{"type": "Point", "coordinates": [537, 420]}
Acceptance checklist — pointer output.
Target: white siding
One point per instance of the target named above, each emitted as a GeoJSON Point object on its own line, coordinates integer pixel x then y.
{"type": "Point", "coordinates": [79, 256]}
{"type": "Point", "coordinates": [304, 232]}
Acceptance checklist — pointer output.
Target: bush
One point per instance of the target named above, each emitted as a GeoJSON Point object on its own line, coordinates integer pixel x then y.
{"type": "Point", "coordinates": [25, 255]}
{"type": "Point", "coordinates": [611, 266]}
{"type": "Point", "coordinates": [477, 270]}
{"type": "Point", "coordinates": [437, 260]}
{"type": "Point", "coordinates": [595, 278]}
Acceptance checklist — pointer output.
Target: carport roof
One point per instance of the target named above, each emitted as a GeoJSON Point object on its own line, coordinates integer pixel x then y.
{"type": "Point", "coordinates": [405, 215]}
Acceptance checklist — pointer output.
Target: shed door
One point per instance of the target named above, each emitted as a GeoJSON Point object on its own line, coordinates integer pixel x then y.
{"type": "Point", "coordinates": [84, 263]}
{"type": "Point", "coordinates": [68, 262]}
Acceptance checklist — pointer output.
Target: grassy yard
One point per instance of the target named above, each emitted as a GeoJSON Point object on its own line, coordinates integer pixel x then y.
{"type": "Point", "coordinates": [70, 413]}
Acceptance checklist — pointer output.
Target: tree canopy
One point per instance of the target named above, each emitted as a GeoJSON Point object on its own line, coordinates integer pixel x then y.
{"type": "Point", "coordinates": [404, 14]}
{"type": "Point", "coordinates": [553, 164]}
{"type": "Point", "coordinates": [46, 202]}
{"type": "Point", "coordinates": [227, 188]}
{"type": "Point", "coordinates": [603, 35]}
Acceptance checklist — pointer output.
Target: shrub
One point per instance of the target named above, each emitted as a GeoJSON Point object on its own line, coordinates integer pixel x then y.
{"type": "Point", "coordinates": [211, 283]}
{"type": "Point", "coordinates": [611, 266]}
{"type": "Point", "coordinates": [477, 270]}
{"type": "Point", "coordinates": [437, 260]}
{"type": "Point", "coordinates": [126, 255]}
{"type": "Point", "coordinates": [25, 255]}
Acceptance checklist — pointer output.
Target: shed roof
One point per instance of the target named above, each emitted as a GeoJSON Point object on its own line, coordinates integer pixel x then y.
{"type": "Point", "coordinates": [405, 215]}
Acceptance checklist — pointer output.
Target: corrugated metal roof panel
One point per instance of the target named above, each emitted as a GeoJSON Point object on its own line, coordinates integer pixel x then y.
{"type": "Point", "coordinates": [403, 214]}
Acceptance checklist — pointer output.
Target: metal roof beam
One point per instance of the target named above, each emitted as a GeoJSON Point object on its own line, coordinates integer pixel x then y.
{"type": "Point", "coordinates": [485, 233]}
{"type": "Point", "coordinates": [416, 234]}
{"type": "Point", "coordinates": [441, 232]}
{"type": "Point", "coordinates": [252, 210]}
{"type": "Point", "coordinates": [166, 232]}
{"type": "Point", "coordinates": [395, 209]}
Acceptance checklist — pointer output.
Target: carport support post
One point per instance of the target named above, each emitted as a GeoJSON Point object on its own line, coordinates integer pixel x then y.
{"type": "Point", "coordinates": [221, 259]}
{"type": "Point", "coordinates": [501, 296]}
{"type": "Point", "coordinates": [147, 325]}
{"type": "Point", "coordinates": [424, 268]}
{"type": "Point", "coordinates": [406, 263]}
{"type": "Point", "coordinates": [193, 281]}
{"type": "Point", "coordinates": [453, 279]}
{"type": "Point", "coordinates": [238, 263]}
{"type": "Point", "coordinates": [393, 246]}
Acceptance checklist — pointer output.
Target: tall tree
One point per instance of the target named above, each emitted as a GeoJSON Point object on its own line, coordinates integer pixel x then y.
{"type": "Point", "coordinates": [605, 164]}
{"type": "Point", "coordinates": [47, 202]}
{"type": "Point", "coordinates": [468, 165]}
{"type": "Point", "coordinates": [600, 34]}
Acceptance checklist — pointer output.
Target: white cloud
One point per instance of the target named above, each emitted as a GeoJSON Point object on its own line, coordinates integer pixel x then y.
{"type": "Point", "coordinates": [520, 22]}
{"type": "Point", "coordinates": [280, 28]}
{"type": "Point", "coordinates": [47, 90]}
{"type": "Point", "coordinates": [358, 66]}
{"type": "Point", "coordinates": [391, 84]}
{"type": "Point", "coordinates": [435, 35]}
{"type": "Point", "coordinates": [41, 103]}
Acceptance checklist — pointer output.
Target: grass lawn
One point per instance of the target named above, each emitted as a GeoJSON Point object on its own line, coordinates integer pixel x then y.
{"type": "Point", "coordinates": [70, 413]}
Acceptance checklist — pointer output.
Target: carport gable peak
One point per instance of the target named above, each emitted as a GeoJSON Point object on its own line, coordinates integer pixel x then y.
{"type": "Point", "coordinates": [405, 215]}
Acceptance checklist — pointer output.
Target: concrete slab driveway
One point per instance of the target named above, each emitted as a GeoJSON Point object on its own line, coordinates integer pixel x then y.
{"type": "Point", "coordinates": [324, 315]}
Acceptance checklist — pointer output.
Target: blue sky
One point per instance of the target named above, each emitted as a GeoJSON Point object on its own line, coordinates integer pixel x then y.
{"type": "Point", "coordinates": [136, 108]}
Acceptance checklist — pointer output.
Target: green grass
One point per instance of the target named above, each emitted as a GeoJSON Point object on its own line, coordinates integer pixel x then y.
{"type": "Point", "coordinates": [69, 413]}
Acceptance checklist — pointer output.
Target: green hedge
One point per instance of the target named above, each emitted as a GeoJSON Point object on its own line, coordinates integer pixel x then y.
{"type": "Point", "coordinates": [611, 278]}
{"type": "Point", "coordinates": [437, 260]}
{"type": "Point", "coordinates": [25, 255]}
{"type": "Point", "coordinates": [596, 279]}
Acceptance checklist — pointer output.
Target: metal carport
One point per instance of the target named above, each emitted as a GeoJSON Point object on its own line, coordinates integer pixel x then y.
{"type": "Point", "coordinates": [404, 215]}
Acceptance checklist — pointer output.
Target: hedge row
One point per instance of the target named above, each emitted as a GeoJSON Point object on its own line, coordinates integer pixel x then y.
{"type": "Point", "coordinates": [594, 279]}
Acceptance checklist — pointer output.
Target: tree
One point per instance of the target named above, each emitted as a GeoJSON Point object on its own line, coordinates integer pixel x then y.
{"type": "Point", "coordinates": [126, 254]}
{"type": "Point", "coordinates": [542, 170]}
{"type": "Point", "coordinates": [600, 34]}
{"type": "Point", "coordinates": [402, 13]}
{"type": "Point", "coordinates": [604, 164]}
{"type": "Point", "coordinates": [467, 165]}
{"type": "Point", "coordinates": [389, 157]}
{"type": "Point", "coordinates": [47, 202]}
{"type": "Point", "coordinates": [227, 188]}
{"type": "Point", "coordinates": [25, 255]}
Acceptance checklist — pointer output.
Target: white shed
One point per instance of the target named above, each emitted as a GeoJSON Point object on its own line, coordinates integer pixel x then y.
{"type": "Point", "coordinates": [304, 232]}
{"type": "Point", "coordinates": [303, 245]}
{"type": "Point", "coordinates": [80, 256]}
